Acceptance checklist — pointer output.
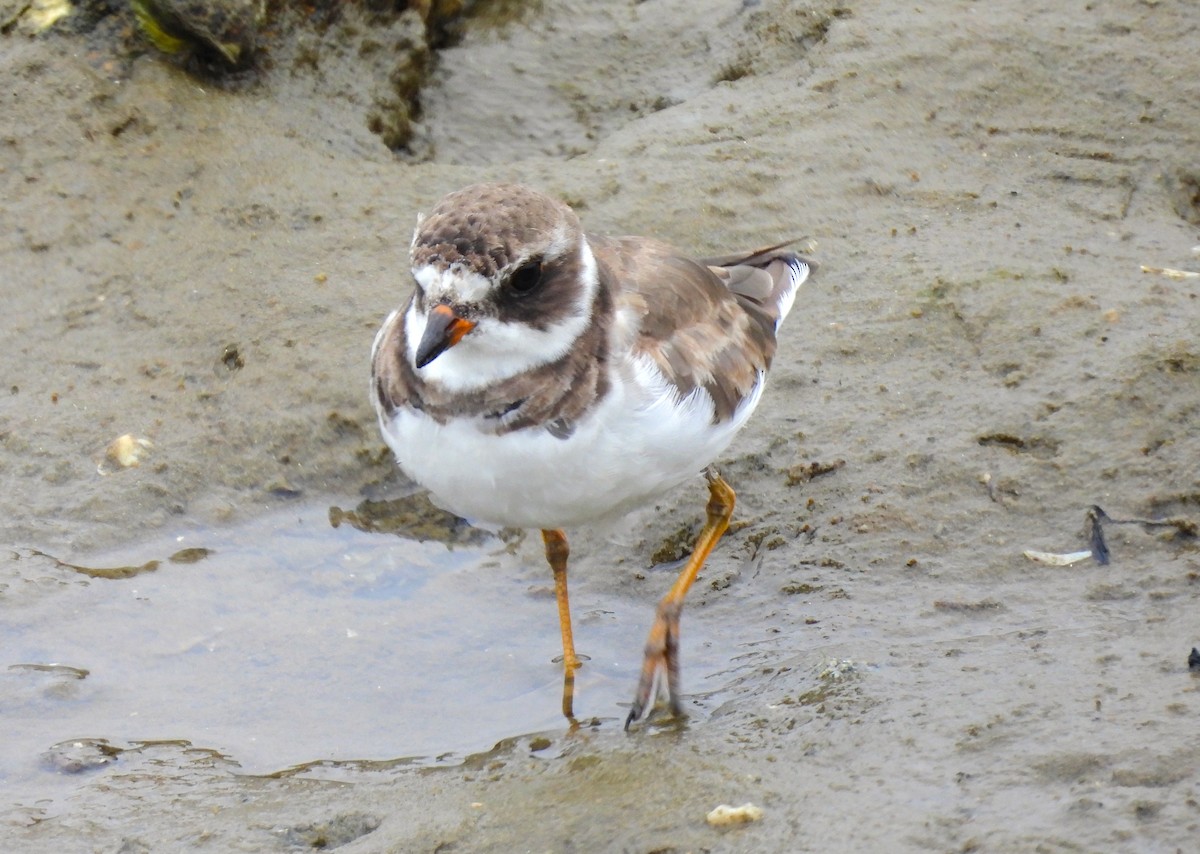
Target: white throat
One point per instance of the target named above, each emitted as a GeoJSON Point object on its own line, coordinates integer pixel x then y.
{"type": "Point", "coordinates": [496, 350]}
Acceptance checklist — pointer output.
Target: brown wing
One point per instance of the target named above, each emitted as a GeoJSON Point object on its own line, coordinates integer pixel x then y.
{"type": "Point", "coordinates": [706, 325]}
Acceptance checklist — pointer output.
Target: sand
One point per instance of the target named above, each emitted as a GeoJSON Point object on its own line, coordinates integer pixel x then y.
{"type": "Point", "coordinates": [980, 358]}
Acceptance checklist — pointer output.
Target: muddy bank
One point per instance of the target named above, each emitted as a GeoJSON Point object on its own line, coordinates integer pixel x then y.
{"type": "Point", "coordinates": [204, 266]}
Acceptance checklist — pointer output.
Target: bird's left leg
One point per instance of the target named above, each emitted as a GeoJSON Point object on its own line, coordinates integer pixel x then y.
{"type": "Point", "coordinates": [662, 646]}
{"type": "Point", "coordinates": [557, 552]}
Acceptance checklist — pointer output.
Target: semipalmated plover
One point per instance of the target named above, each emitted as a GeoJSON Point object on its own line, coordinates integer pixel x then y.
{"type": "Point", "coordinates": [541, 377]}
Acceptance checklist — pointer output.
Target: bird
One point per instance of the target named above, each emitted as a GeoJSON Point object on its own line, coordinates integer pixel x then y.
{"type": "Point", "coordinates": [543, 377]}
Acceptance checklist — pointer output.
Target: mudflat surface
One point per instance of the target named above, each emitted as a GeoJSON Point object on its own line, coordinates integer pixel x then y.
{"type": "Point", "coordinates": [869, 657]}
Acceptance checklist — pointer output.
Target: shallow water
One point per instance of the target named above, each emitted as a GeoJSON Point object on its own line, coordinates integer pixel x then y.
{"type": "Point", "coordinates": [289, 641]}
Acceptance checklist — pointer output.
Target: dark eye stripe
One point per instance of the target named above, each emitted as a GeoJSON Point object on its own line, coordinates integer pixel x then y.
{"type": "Point", "coordinates": [553, 294]}
{"type": "Point", "coordinates": [526, 278]}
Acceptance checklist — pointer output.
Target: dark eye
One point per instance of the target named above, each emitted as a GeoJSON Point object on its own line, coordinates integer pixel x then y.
{"type": "Point", "coordinates": [526, 277]}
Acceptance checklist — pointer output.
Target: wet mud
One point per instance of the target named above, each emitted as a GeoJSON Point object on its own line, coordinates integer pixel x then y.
{"type": "Point", "coordinates": [1002, 335]}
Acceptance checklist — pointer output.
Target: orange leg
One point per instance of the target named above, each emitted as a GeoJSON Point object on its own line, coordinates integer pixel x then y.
{"type": "Point", "coordinates": [557, 552]}
{"type": "Point", "coordinates": [662, 647]}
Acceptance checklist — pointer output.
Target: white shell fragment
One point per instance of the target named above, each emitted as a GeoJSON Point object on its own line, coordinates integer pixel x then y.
{"type": "Point", "coordinates": [1054, 559]}
{"type": "Point", "coordinates": [1171, 273]}
{"type": "Point", "coordinates": [124, 452]}
{"type": "Point", "coordinates": [725, 815]}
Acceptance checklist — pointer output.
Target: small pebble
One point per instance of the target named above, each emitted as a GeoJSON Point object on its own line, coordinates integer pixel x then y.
{"type": "Point", "coordinates": [126, 451]}
{"type": "Point", "coordinates": [726, 815]}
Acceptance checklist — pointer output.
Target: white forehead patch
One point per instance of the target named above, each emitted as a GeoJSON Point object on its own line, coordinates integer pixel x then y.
{"type": "Point", "coordinates": [457, 284]}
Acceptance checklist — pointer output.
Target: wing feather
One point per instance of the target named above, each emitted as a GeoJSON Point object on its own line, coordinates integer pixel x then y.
{"type": "Point", "coordinates": [706, 324]}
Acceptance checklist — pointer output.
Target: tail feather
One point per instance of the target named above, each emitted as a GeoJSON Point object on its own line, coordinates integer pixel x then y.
{"type": "Point", "coordinates": [766, 278]}
{"type": "Point", "coordinates": [793, 271]}
{"type": "Point", "coordinates": [760, 257]}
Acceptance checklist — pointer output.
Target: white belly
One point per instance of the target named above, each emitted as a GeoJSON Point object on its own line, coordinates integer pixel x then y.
{"type": "Point", "coordinates": [638, 444]}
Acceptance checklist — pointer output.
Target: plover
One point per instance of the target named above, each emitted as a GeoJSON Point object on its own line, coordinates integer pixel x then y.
{"type": "Point", "coordinates": [541, 377]}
